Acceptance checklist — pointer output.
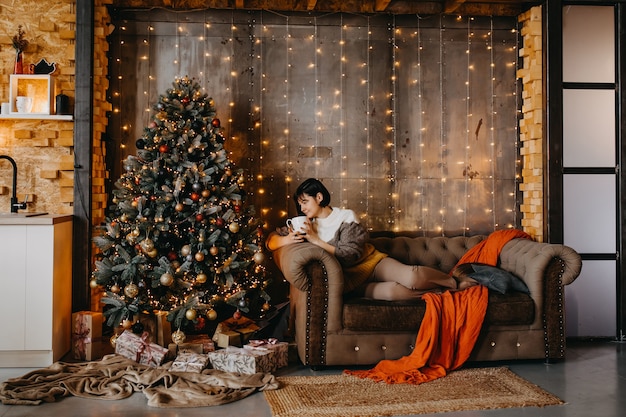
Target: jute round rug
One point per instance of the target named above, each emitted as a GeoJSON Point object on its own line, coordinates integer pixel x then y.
{"type": "Point", "coordinates": [349, 396]}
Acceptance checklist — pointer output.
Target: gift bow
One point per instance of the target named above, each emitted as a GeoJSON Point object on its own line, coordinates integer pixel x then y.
{"type": "Point", "coordinates": [81, 337]}
{"type": "Point", "coordinates": [145, 347]}
{"type": "Point", "coordinates": [263, 342]}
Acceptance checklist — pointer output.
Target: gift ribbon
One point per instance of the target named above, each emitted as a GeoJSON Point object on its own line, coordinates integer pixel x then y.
{"type": "Point", "coordinates": [145, 347]}
{"type": "Point", "coordinates": [263, 342]}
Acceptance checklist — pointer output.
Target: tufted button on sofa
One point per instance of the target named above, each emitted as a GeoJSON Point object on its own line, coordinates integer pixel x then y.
{"type": "Point", "coordinates": [334, 328]}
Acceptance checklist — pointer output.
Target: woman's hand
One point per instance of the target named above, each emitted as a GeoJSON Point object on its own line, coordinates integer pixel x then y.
{"type": "Point", "coordinates": [276, 241]}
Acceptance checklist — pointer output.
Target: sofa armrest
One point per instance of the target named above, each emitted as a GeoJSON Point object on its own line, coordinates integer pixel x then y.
{"type": "Point", "coordinates": [316, 297]}
{"type": "Point", "coordinates": [528, 260]}
{"type": "Point", "coordinates": [545, 268]}
{"type": "Point", "coordinates": [292, 260]}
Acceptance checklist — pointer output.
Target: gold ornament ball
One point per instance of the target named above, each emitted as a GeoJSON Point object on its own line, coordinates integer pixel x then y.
{"type": "Point", "coordinates": [115, 288]}
{"type": "Point", "coordinates": [259, 257]}
{"type": "Point", "coordinates": [113, 340]}
{"type": "Point", "coordinates": [211, 314]}
{"type": "Point", "coordinates": [178, 337]}
{"type": "Point", "coordinates": [266, 306]}
{"type": "Point", "coordinates": [166, 279]}
{"type": "Point", "coordinates": [185, 250]}
{"type": "Point", "coordinates": [190, 314]}
{"type": "Point", "coordinates": [93, 284]}
{"type": "Point", "coordinates": [234, 227]}
{"type": "Point", "coordinates": [199, 256]}
{"type": "Point", "coordinates": [201, 278]}
{"type": "Point", "coordinates": [213, 250]}
{"type": "Point", "coordinates": [131, 290]}
{"type": "Point", "coordinates": [179, 207]}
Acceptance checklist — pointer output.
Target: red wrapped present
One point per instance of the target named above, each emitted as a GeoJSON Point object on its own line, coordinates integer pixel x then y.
{"type": "Point", "coordinates": [139, 349]}
{"type": "Point", "coordinates": [87, 335]}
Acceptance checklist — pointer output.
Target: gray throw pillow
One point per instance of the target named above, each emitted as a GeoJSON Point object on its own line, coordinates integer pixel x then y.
{"type": "Point", "coordinates": [495, 278]}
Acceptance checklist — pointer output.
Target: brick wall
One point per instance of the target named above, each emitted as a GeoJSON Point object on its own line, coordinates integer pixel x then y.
{"type": "Point", "coordinates": [42, 149]}
{"type": "Point", "coordinates": [531, 125]}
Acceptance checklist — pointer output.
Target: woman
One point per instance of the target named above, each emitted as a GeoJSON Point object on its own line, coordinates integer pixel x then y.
{"type": "Point", "coordinates": [366, 270]}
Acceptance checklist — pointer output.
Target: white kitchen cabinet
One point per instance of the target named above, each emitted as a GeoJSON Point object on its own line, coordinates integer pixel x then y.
{"type": "Point", "coordinates": [35, 289]}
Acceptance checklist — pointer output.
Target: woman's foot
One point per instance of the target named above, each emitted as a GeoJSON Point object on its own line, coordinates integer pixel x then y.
{"type": "Point", "coordinates": [463, 280]}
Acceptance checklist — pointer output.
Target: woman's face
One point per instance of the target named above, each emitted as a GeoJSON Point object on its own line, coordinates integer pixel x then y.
{"type": "Point", "coordinates": [310, 205]}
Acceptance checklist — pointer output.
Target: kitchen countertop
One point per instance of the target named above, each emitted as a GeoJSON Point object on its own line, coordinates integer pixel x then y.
{"type": "Point", "coordinates": [26, 218]}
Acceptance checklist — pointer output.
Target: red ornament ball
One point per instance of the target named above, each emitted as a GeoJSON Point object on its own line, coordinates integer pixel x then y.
{"type": "Point", "coordinates": [219, 222]}
{"type": "Point", "coordinates": [164, 148]}
{"type": "Point", "coordinates": [199, 217]}
{"type": "Point", "coordinates": [216, 122]}
{"type": "Point", "coordinates": [185, 100]}
{"type": "Point", "coordinates": [237, 315]}
{"type": "Point", "coordinates": [172, 256]}
{"type": "Point", "coordinates": [195, 196]}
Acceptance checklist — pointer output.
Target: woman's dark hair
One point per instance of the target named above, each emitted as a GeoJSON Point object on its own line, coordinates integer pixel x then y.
{"type": "Point", "coordinates": [311, 187]}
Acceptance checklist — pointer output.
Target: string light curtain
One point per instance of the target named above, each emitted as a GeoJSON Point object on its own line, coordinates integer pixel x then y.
{"type": "Point", "coordinates": [411, 121]}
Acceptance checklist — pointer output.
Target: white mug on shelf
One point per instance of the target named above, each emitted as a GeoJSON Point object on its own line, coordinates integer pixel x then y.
{"type": "Point", "coordinates": [297, 223]}
{"type": "Point", "coordinates": [24, 104]}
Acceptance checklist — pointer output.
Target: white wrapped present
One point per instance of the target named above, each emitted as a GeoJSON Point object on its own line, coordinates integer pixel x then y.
{"type": "Point", "coordinates": [190, 362]}
{"type": "Point", "coordinates": [243, 361]}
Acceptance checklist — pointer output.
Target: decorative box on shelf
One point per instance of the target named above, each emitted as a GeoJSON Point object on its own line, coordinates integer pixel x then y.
{"type": "Point", "coordinates": [31, 94]}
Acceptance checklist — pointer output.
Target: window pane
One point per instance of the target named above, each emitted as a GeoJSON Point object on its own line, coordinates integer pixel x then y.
{"type": "Point", "coordinates": [588, 44]}
{"type": "Point", "coordinates": [588, 128]}
{"type": "Point", "coordinates": [589, 213]}
{"type": "Point", "coordinates": [591, 302]}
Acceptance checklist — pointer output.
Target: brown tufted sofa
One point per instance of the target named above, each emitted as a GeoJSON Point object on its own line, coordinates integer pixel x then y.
{"type": "Point", "coordinates": [333, 328]}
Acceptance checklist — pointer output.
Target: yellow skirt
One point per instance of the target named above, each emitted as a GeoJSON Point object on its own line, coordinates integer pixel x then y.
{"type": "Point", "coordinates": [358, 273]}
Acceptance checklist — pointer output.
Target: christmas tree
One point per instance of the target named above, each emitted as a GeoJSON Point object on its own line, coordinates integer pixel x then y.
{"type": "Point", "coordinates": [179, 236]}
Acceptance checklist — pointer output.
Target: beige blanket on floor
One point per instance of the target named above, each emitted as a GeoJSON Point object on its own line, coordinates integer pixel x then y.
{"type": "Point", "coordinates": [115, 377]}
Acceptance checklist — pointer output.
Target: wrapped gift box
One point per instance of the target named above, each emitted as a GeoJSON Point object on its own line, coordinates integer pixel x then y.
{"type": "Point", "coordinates": [208, 345]}
{"type": "Point", "coordinates": [87, 335]}
{"type": "Point", "coordinates": [139, 349]}
{"type": "Point", "coordinates": [234, 332]}
{"type": "Point", "coordinates": [279, 351]}
{"type": "Point", "coordinates": [175, 349]}
{"type": "Point", "coordinates": [190, 362]}
{"type": "Point", "coordinates": [157, 326]}
{"type": "Point", "coordinates": [243, 361]}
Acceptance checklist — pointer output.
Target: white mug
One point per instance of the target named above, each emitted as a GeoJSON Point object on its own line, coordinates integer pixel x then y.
{"type": "Point", "coordinates": [297, 223]}
{"type": "Point", "coordinates": [23, 104]}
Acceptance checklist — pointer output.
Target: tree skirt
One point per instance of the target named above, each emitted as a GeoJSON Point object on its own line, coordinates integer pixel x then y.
{"type": "Point", "coordinates": [116, 377]}
{"type": "Point", "coordinates": [350, 396]}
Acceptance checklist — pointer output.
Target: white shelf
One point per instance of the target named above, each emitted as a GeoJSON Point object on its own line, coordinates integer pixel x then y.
{"type": "Point", "coordinates": [35, 116]}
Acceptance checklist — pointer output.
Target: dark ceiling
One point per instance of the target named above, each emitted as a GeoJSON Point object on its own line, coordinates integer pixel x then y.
{"type": "Point", "coordinates": [422, 7]}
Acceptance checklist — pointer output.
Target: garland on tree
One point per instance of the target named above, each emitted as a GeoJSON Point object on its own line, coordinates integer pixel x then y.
{"type": "Point", "coordinates": [178, 236]}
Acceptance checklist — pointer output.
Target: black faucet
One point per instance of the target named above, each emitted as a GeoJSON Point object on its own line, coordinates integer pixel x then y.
{"type": "Point", "coordinates": [14, 204]}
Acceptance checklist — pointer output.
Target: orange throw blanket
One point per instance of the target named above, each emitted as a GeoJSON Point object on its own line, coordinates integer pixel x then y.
{"type": "Point", "coordinates": [450, 327]}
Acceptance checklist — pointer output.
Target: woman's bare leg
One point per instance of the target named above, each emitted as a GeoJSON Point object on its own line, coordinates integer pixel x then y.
{"type": "Point", "coordinates": [413, 277]}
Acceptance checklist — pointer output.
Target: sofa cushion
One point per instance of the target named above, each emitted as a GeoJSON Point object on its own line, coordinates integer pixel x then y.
{"type": "Point", "coordinates": [362, 314]}
{"type": "Point", "coordinates": [492, 277]}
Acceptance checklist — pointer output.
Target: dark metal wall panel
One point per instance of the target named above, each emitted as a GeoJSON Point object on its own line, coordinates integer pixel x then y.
{"type": "Point", "coordinates": [410, 122]}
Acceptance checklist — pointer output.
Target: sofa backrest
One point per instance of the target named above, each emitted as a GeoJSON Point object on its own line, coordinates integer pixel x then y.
{"type": "Point", "coordinates": [437, 252]}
